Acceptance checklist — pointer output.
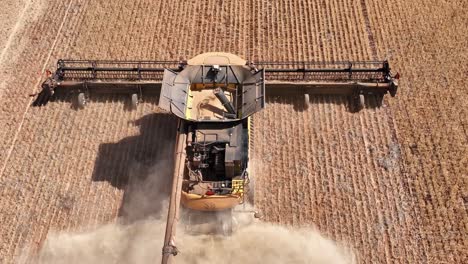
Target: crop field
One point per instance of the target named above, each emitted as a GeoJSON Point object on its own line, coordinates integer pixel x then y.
{"type": "Point", "coordinates": [389, 183]}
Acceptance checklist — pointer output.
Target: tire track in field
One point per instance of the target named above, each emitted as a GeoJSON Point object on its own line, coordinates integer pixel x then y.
{"type": "Point", "coordinates": [370, 35]}
{"type": "Point", "coordinates": [63, 194]}
{"type": "Point", "coordinates": [12, 251]}
{"type": "Point", "coordinates": [14, 31]}
{"type": "Point", "coordinates": [56, 217]}
{"type": "Point", "coordinates": [15, 137]}
{"type": "Point", "coordinates": [352, 185]}
{"type": "Point", "coordinates": [386, 114]}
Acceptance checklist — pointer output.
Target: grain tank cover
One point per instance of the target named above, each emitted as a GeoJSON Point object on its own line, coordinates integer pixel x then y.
{"type": "Point", "coordinates": [253, 94]}
{"type": "Point", "coordinates": [212, 92]}
{"type": "Point", "coordinates": [174, 93]}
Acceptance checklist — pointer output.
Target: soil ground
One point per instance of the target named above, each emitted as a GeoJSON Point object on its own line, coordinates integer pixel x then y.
{"type": "Point", "coordinates": [392, 183]}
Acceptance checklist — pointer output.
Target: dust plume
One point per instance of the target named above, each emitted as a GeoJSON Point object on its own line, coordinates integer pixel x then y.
{"type": "Point", "coordinates": [141, 242]}
{"type": "Point", "coordinates": [137, 236]}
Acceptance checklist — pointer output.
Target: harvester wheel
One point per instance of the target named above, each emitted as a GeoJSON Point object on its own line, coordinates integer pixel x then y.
{"type": "Point", "coordinates": [306, 101]}
{"type": "Point", "coordinates": [361, 101]}
{"type": "Point", "coordinates": [356, 103]}
{"type": "Point", "coordinates": [379, 99]}
{"type": "Point", "coordinates": [258, 215]}
{"type": "Point", "coordinates": [134, 102]}
{"type": "Point", "coordinates": [81, 100]}
{"type": "Point", "coordinates": [250, 191]}
{"type": "Point", "coordinates": [227, 228]}
{"type": "Point", "coordinates": [227, 223]}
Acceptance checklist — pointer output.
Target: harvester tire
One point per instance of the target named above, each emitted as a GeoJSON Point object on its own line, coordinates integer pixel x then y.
{"type": "Point", "coordinates": [81, 100]}
{"type": "Point", "coordinates": [134, 101]}
{"type": "Point", "coordinates": [227, 224]}
{"type": "Point", "coordinates": [379, 100]}
{"type": "Point", "coordinates": [356, 103]}
{"type": "Point", "coordinates": [258, 215]}
{"type": "Point", "coordinates": [250, 192]}
{"type": "Point", "coordinates": [306, 101]}
{"type": "Point", "coordinates": [361, 102]}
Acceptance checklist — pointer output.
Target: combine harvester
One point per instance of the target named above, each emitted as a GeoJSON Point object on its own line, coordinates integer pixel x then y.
{"type": "Point", "coordinates": [213, 95]}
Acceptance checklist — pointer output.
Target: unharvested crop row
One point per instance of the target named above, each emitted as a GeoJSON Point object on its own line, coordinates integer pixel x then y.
{"type": "Point", "coordinates": [431, 116]}
{"type": "Point", "coordinates": [336, 170]}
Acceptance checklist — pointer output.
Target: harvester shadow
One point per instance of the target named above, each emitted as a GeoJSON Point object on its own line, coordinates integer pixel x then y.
{"type": "Point", "coordinates": [141, 166]}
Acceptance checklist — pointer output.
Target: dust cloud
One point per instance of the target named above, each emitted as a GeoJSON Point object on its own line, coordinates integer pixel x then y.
{"type": "Point", "coordinates": [140, 239]}
{"type": "Point", "coordinates": [141, 242]}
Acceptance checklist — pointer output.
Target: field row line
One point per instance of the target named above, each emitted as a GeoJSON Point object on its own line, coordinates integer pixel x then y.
{"type": "Point", "coordinates": [36, 85]}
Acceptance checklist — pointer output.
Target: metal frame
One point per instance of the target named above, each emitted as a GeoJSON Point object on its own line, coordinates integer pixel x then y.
{"type": "Point", "coordinates": [344, 70]}
{"type": "Point", "coordinates": [376, 71]}
{"type": "Point", "coordinates": [349, 78]}
{"type": "Point", "coordinates": [112, 70]}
